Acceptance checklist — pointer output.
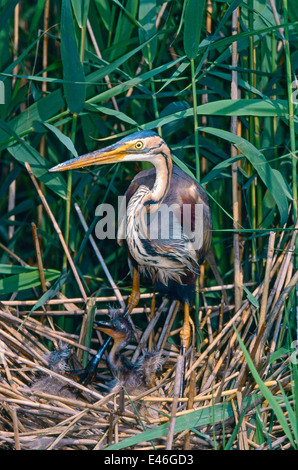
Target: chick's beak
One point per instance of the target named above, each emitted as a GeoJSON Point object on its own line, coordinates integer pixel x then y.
{"type": "Point", "coordinates": [112, 154]}
{"type": "Point", "coordinates": [103, 325]}
{"type": "Point", "coordinates": [109, 329]}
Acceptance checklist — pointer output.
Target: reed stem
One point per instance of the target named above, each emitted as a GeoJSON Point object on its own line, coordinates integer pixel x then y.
{"type": "Point", "coordinates": [291, 109]}
{"type": "Point", "coordinates": [292, 139]}
{"type": "Point", "coordinates": [69, 192]}
{"type": "Point", "coordinates": [198, 176]}
{"type": "Point", "coordinates": [195, 119]}
{"type": "Point", "coordinates": [234, 95]}
{"type": "Point", "coordinates": [253, 200]}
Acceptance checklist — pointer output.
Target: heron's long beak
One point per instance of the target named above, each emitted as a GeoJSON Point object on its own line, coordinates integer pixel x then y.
{"type": "Point", "coordinates": [112, 154]}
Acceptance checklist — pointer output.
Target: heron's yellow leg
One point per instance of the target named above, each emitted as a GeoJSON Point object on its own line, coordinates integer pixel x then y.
{"type": "Point", "coordinates": [185, 332]}
{"type": "Point", "coordinates": [135, 293]}
{"type": "Point", "coordinates": [184, 340]}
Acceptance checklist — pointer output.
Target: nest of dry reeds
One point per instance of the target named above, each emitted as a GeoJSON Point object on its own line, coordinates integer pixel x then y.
{"type": "Point", "coordinates": [237, 394]}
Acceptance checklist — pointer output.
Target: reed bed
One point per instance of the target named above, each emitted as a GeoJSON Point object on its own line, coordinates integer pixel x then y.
{"type": "Point", "coordinates": [225, 405]}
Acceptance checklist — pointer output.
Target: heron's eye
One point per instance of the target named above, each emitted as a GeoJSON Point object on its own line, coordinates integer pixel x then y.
{"type": "Point", "coordinates": [139, 145]}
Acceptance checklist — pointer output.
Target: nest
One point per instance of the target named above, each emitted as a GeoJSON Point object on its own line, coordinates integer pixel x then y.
{"type": "Point", "coordinates": [232, 380]}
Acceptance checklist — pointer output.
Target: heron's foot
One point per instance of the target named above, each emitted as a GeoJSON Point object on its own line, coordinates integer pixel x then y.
{"type": "Point", "coordinates": [135, 293]}
{"type": "Point", "coordinates": [78, 374]}
{"type": "Point", "coordinates": [185, 338]}
{"type": "Point", "coordinates": [186, 330]}
{"type": "Point", "coordinates": [133, 301]}
{"type": "Point", "coordinates": [87, 375]}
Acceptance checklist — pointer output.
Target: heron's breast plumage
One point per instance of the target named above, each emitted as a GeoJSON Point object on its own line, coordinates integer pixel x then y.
{"type": "Point", "coordinates": [163, 256]}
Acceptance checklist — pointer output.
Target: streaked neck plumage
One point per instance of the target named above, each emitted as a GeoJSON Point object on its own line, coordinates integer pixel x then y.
{"type": "Point", "coordinates": [163, 167]}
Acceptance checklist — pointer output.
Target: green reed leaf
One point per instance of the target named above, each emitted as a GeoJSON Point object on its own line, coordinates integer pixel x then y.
{"type": "Point", "coordinates": [193, 18]}
{"type": "Point", "coordinates": [72, 67]}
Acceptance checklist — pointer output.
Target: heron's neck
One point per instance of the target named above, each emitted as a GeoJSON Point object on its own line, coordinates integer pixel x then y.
{"type": "Point", "coordinates": [163, 167]}
{"type": "Point", "coordinates": [115, 359]}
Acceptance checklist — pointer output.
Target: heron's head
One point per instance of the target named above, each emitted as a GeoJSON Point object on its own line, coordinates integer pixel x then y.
{"type": "Point", "coordinates": [140, 146]}
{"type": "Point", "coordinates": [119, 327]}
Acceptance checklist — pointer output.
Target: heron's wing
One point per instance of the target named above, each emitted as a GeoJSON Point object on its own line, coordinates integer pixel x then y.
{"type": "Point", "coordinates": [201, 221]}
{"type": "Point", "coordinates": [193, 204]}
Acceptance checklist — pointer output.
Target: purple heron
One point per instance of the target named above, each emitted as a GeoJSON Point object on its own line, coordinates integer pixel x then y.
{"type": "Point", "coordinates": [172, 261]}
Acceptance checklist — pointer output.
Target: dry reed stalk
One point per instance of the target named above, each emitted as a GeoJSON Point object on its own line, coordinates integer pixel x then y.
{"type": "Point", "coordinates": [66, 301]}
{"type": "Point", "coordinates": [205, 98]}
{"type": "Point", "coordinates": [86, 320]}
{"type": "Point", "coordinates": [36, 349]}
{"type": "Point", "coordinates": [221, 312]}
{"type": "Point", "coordinates": [11, 203]}
{"type": "Point", "coordinates": [97, 406]}
{"type": "Point", "coordinates": [237, 355]}
{"type": "Point", "coordinates": [177, 388]}
{"type": "Point", "coordinates": [99, 443]}
{"type": "Point", "coordinates": [38, 406]}
{"type": "Point", "coordinates": [16, 428]}
{"type": "Point", "coordinates": [205, 319]}
{"type": "Point", "coordinates": [38, 258]}
{"type": "Point", "coordinates": [213, 369]}
{"type": "Point", "coordinates": [106, 78]}
{"type": "Point", "coordinates": [224, 380]}
{"type": "Point", "coordinates": [17, 344]}
{"type": "Point", "coordinates": [65, 421]}
{"type": "Point", "coordinates": [13, 255]}
{"type": "Point", "coordinates": [66, 430]}
{"type": "Point", "coordinates": [277, 21]}
{"type": "Point", "coordinates": [58, 231]}
{"type": "Point", "coordinates": [245, 307]}
{"type": "Point", "coordinates": [16, 41]}
{"type": "Point", "coordinates": [270, 253]}
{"type": "Point", "coordinates": [231, 394]}
{"type": "Point", "coordinates": [243, 444]}
{"type": "Point", "coordinates": [44, 87]}
{"type": "Point", "coordinates": [105, 311]}
{"type": "Point", "coordinates": [234, 152]}
{"type": "Point", "coordinates": [55, 313]}
{"type": "Point", "coordinates": [210, 258]}
{"type": "Point", "coordinates": [40, 269]}
{"type": "Point", "coordinates": [46, 332]}
{"type": "Point", "coordinates": [272, 316]}
{"type": "Point", "coordinates": [218, 338]}
{"type": "Point", "coordinates": [167, 325]}
{"type": "Point", "coordinates": [285, 265]}
{"type": "Point", "coordinates": [253, 349]}
{"type": "Point", "coordinates": [100, 258]}
{"type": "Point", "coordinates": [276, 330]}
{"type": "Point", "coordinates": [190, 405]}
{"type": "Point", "coordinates": [45, 44]}
{"type": "Point", "coordinates": [144, 338]}
{"type": "Point", "coordinates": [274, 297]}
{"type": "Point", "coordinates": [79, 312]}
{"type": "Point", "coordinates": [12, 186]}
{"type": "Point", "coordinates": [209, 327]}
{"type": "Point", "coordinates": [62, 378]}
{"type": "Point", "coordinates": [142, 61]}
